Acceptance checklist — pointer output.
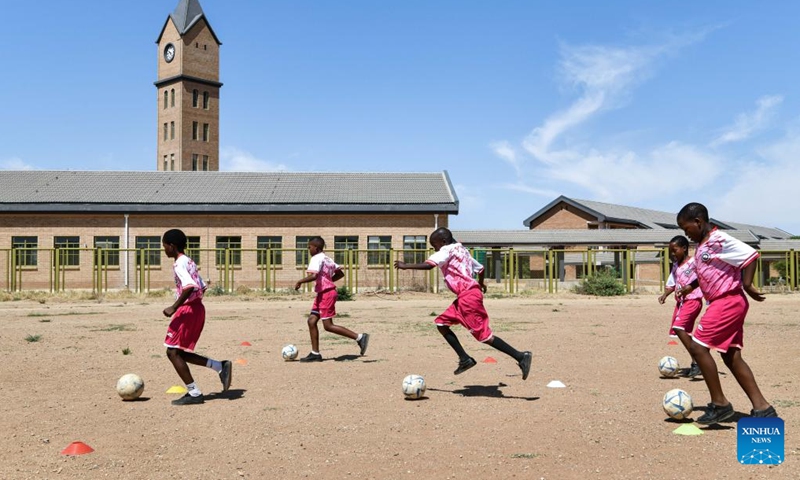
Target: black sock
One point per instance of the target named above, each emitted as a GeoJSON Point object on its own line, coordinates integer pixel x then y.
{"type": "Point", "coordinates": [454, 343]}
{"type": "Point", "coordinates": [499, 344]}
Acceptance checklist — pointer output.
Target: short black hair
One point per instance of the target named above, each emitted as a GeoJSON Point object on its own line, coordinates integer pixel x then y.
{"type": "Point", "coordinates": [693, 210]}
{"type": "Point", "coordinates": [680, 241]}
{"type": "Point", "coordinates": [318, 241]}
{"type": "Point", "coordinates": [175, 237]}
{"type": "Point", "coordinates": [445, 234]}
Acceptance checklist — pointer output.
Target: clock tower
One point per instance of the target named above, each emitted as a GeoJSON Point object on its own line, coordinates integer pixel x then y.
{"type": "Point", "coordinates": [188, 91]}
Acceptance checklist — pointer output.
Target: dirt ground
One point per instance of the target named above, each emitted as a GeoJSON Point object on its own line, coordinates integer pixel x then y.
{"type": "Point", "coordinates": [347, 418]}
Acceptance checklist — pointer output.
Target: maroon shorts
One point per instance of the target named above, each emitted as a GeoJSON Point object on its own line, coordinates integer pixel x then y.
{"type": "Point", "coordinates": [186, 326]}
{"type": "Point", "coordinates": [686, 312]}
{"type": "Point", "coordinates": [325, 304]}
{"type": "Point", "coordinates": [722, 326]}
{"type": "Point", "coordinates": [468, 310]}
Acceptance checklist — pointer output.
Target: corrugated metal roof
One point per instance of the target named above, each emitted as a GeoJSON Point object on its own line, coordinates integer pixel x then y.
{"type": "Point", "coordinates": [609, 237]}
{"type": "Point", "coordinates": [287, 191]}
{"type": "Point", "coordinates": [781, 245]}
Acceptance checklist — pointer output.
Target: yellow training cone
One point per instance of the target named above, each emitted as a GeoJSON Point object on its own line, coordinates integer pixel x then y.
{"type": "Point", "coordinates": [177, 389]}
{"type": "Point", "coordinates": [687, 429]}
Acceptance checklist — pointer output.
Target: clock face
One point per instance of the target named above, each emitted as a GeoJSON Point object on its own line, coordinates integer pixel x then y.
{"type": "Point", "coordinates": [169, 52]}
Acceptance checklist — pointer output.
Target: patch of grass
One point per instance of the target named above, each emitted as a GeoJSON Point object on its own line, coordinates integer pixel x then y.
{"type": "Point", "coordinates": [555, 310]}
{"type": "Point", "coordinates": [433, 314]}
{"type": "Point", "coordinates": [785, 403]}
{"type": "Point", "coordinates": [33, 338]}
{"type": "Point", "coordinates": [126, 351]}
{"type": "Point", "coordinates": [342, 315]}
{"type": "Point", "coordinates": [124, 327]}
{"type": "Point", "coordinates": [44, 320]}
{"type": "Point", "coordinates": [345, 295]}
{"type": "Point", "coordinates": [524, 455]}
{"type": "Point", "coordinates": [63, 314]}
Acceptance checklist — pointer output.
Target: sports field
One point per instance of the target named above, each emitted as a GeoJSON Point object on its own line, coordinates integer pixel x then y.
{"type": "Point", "coordinates": [346, 417]}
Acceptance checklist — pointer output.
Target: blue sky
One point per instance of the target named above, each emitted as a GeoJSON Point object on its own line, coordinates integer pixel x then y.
{"type": "Point", "coordinates": [648, 104]}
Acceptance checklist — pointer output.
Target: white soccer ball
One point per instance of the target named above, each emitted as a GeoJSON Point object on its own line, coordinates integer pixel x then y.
{"type": "Point", "coordinates": [668, 366]}
{"type": "Point", "coordinates": [678, 404]}
{"type": "Point", "coordinates": [130, 386]}
{"type": "Point", "coordinates": [289, 352]}
{"type": "Point", "coordinates": [413, 387]}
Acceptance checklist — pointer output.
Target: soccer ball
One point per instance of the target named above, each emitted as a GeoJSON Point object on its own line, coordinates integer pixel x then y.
{"type": "Point", "coordinates": [413, 387]}
{"type": "Point", "coordinates": [668, 366]}
{"type": "Point", "coordinates": [677, 404]}
{"type": "Point", "coordinates": [289, 352]}
{"type": "Point", "coordinates": [130, 386]}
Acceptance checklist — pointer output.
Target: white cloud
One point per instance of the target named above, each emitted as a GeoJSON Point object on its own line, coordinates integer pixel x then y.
{"type": "Point", "coordinates": [520, 187]}
{"type": "Point", "coordinates": [747, 124]}
{"type": "Point", "coordinates": [233, 159]}
{"type": "Point", "coordinates": [504, 150]}
{"type": "Point", "coordinates": [15, 163]}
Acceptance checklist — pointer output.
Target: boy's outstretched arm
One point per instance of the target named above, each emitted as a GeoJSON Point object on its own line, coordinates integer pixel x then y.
{"type": "Point", "coordinates": [310, 278]}
{"type": "Point", "coordinates": [667, 291]}
{"type": "Point", "coordinates": [747, 283]}
{"type": "Point", "coordinates": [412, 266]}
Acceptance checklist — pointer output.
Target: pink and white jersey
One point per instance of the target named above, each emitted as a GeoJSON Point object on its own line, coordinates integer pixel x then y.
{"type": "Point", "coordinates": [719, 261]}
{"type": "Point", "coordinates": [457, 266]}
{"type": "Point", "coordinates": [324, 267]}
{"type": "Point", "coordinates": [186, 276]}
{"type": "Point", "coordinates": [683, 275]}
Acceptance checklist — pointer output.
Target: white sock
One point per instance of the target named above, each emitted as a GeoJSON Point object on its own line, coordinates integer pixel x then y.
{"type": "Point", "coordinates": [193, 390]}
{"type": "Point", "coordinates": [358, 338]}
{"type": "Point", "coordinates": [215, 364]}
{"type": "Point", "coordinates": [315, 353]}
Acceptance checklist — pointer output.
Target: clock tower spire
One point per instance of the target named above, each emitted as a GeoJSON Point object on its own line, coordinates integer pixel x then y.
{"type": "Point", "coordinates": [188, 91]}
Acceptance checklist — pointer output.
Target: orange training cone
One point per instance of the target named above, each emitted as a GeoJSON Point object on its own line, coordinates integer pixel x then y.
{"type": "Point", "coordinates": [240, 361]}
{"type": "Point", "coordinates": [672, 342]}
{"type": "Point", "coordinates": [489, 360]}
{"type": "Point", "coordinates": [246, 344]}
{"type": "Point", "coordinates": [77, 448]}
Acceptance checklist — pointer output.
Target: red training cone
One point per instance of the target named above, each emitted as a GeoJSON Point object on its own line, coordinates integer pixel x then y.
{"type": "Point", "coordinates": [240, 361]}
{"type": "Point", "coordinates": [246, 344]}
{"type": "Point", "coordinates": [77, 448]}
{"type": "Point", "coordinates": [672, 342]}
{"type": "Point", "coordinates": [489, 360]}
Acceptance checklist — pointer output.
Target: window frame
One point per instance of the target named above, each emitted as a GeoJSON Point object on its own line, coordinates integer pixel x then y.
{"type": "Point", "coordinates": [228, 242]}
{"type": "Point", "coordinates": [269, 242]}
{"type": "Point", "coordinates": [110, 254]}
{"type": "Point", "coordinates": [26, 250]}
{"type": "Point", "coordinates": [152, 245]}
{"type": "Point", "coordinates": [382, 243]}
{"type": "Point", "coordinates": [343, 243]}
{"type": "Point", "coordinates": [67, 249]}
{"type": "Point", "coordinates": [412, 242]}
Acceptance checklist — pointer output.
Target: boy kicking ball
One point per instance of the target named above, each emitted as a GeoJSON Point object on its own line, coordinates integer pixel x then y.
{"type": "Point", "coordinates": [458, 267]}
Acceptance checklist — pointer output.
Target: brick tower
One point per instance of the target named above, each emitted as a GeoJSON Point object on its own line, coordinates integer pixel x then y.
{"type": "Point", "coordinates": [188, 91]}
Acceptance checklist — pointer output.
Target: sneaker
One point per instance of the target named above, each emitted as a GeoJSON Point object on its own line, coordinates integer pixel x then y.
{"type": "Point", "coordinates": [189, 400]}
{"type": "Point", "coordinates": [766, 413]}
{"type": "Point", "coordinates": [312, 357]}
{"type": "Point", "coordinates": [226, 375]}
{"type": "Point", "coordinates": [694, 371]}
{"type": "Point", "coordinates": [464, 365]}
{"type": "Point", "coordinates": [363, 343]}
{"type": "Point", "coordinates": [525, 364]}
{"type": "Point", "coordinates": [715, 414]}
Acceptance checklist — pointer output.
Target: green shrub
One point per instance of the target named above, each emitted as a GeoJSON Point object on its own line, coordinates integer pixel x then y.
{"type": "Point", "coordinates": [345, 295]}
{"type": "Point", "coordinates": [603, 284]}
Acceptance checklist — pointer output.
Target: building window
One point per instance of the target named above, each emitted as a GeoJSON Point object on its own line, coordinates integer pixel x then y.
{"type": "Point", "coordinates": [166, 131]}
{"type": "Point", "coordinates": [194, 162]}
{"type": "Point", "coordinates": [172, 98]}
{"type": "Point", "coordinates": [193, 249]}
{"type": "Point", "coordinates": [25, 251]}
{"type": "Point", "coordinates": [378, 250]}
{"type": "Point", "coordinates": [166, 99]}
{"type": "Point", "coordinates": [205, 163]}
{"type": "Point", "coordinates": [205, 100]}
{"type": "Point", "coordinates": [195, 94]}
{"type": "Point", "coordinates": [148, 251]}
{"type": "Point", "coordinates": [165, 163]}
{"type": "Point", "coordinates": [67, 249]}
{"type": "Point", "coordinates": [205, 132]}
{"type": "Point", "coordinates": [172, 161]}
{"type": "Point", "coordinates": [341, 244]}
{"type": "Point", "coordinates": [172, 130]}
{"type": "Point", "coordinates": [233, 247]}
{"type": "Point", "coordinates": [106, 251]}
{"type": "Point", "coordinates": [419, 245]}
{"type": "Point", "coordinates": [274, 245]}
{"type": "Point", "coordinates": [195, 128]}
{"type": "Point", "coordinates": [301, 257]}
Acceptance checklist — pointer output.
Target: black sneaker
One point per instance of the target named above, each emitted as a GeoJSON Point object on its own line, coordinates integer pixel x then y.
{"type": "Point", "coordinates": [464, 365]}
{"type": "Point", "coordinates": [226, 375]}
{"type": "Point", "coordinates": [715, 414]}
{"type": "Point", "coordinates": [525, 364]}
{"type": "Point", "coordinates": [312, 357]}
{"type": "Point", "coordinates": [694, 371]}
{"type": "Point", "coordinates": [363, 342]}
{"type": "Point", "coordinates": [189, 400]}
{"type": "Point", "coordinates": [766, 413]}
